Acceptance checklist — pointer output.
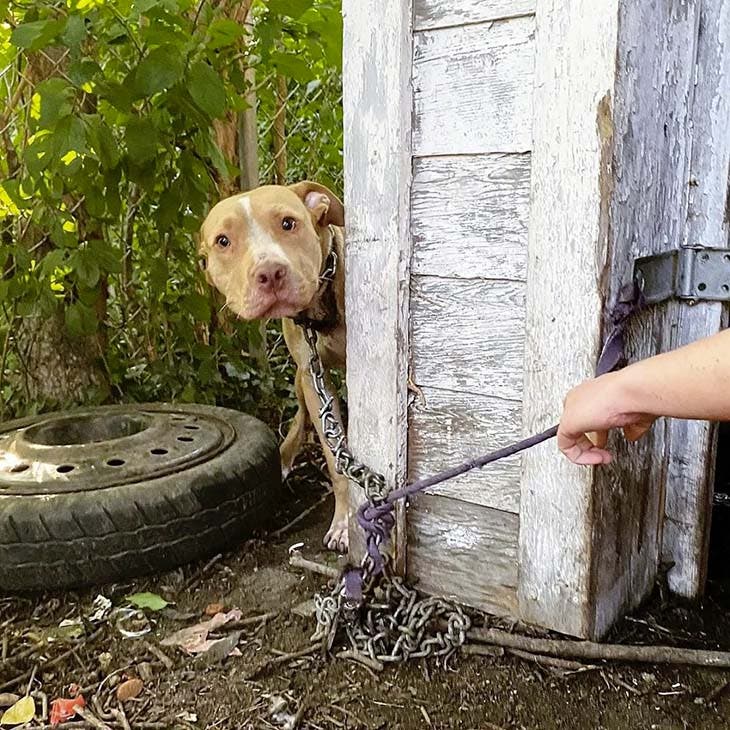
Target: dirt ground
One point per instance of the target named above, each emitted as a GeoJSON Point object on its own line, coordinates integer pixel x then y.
{"type": "Point", "coordinates": [248, 691]}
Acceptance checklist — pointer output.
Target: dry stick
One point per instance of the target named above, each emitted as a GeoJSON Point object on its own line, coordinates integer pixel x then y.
{"type": "Point", "coordinates": [156, 651]}
{"type": "Point", "coordinates": [363, 659]}
{"type": "Point", "coordinates": [297, 561]}
{"type": "Point", "coordinates": [193, 582]}
{"type": "Point", "coordinates": [248, 621]}
{"type": "Point", "coordinates": [121, 718]}
{"type": "Point", "coordinates": [269, 663]}
{"type": "Point", "coordinates": [61, 657]}
{"type": "Point", "coordinates": [482, 650]}
{"type": "Point", "coordinates": [283, 530]}
{"type": "Point", "coordinates": [91, 718]}
{"type": "Point", "coordinates": [614, 652]}
{"type": "Point", "coordinates": [549, 661]}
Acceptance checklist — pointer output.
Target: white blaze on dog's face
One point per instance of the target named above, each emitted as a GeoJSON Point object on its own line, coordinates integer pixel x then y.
{"type": "Point", "coordinates": [264, 249]}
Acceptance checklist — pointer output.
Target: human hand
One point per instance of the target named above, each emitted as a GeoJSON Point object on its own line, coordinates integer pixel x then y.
{"type": "Point", "coordinates": [590, 411]}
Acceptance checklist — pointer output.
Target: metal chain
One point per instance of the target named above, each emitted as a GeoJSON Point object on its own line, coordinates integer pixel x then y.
{"type": "Point", "coordinates": [389, 622]}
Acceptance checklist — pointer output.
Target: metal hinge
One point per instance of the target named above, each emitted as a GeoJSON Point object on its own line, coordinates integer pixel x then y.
{"type": "Point", "coordinates": [693, 274]}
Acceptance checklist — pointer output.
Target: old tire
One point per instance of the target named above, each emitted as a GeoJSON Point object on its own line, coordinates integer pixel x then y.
{"type": "Point", "coordinates": [109, 516]}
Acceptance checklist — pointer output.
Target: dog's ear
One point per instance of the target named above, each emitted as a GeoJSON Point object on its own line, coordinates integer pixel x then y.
{"type": "Point", "coordinates": [325, 206]}
{"type": "Point", "coordinates": [202, 253]}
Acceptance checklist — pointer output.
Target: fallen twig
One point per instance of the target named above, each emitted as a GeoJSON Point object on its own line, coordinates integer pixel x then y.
{"type": "Point", "coordinates": [156, 651]}
{"type": "Point", "coordinates": [282, 659]}
{"type": "Point", "coordinates": [288, 526]}
{"type": "Point", "coordinates": [482, 650]}
{"type": "Point", "coordinates": [297, 561]}
{"type": "Point", "coordinates": [592, 650]}
{"type": "Point", "coordinates": [248, 621]}
{"type": "Point", "coordinates": [549, 661]}
{"type": "Point", "coordinates": [21, 678]}
{"type": "Point", "coordinates": [361, 658]}
{"type": "Point", "coordinates": [91, 718]}
{"type": "Point", "coordinates": [193, 582]}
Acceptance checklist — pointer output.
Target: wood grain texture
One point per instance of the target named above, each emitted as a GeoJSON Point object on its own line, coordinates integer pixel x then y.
{"type": "Point", "coordinates": [651, 157]}
{"type": "Point", "coordinates": [691, 444]}
{"type": "Point", "coordinates": [447, 428]}
{"type": "Point", "coordinates": [473, 88]}
{"type": "Point", "coordinates": [465, 552]}
{"type": "Point", "coordinates": [468, 335]}
{"type": "Point", "coordinates": [469, 216]}
{"type": "Point", "coordinates": [377, 121]}
{"type": "Point", "coordinates": [430, 14]}
{"type": "Point", "coordinates": [574, 78]}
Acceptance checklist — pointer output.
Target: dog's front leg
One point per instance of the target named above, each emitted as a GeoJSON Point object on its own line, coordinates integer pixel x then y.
{"type": "Point", "coordinates": [336, 537]}
{"type": "Point", "coordinates": [295, 438]}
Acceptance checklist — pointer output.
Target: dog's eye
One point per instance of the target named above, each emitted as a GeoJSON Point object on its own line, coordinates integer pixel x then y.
{"type": "Point", "coordinates": [222, 241]}
{"type": "Point", "coordinates": [288, 224]}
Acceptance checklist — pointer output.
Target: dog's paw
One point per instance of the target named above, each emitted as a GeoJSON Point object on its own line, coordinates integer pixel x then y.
{"type": "Point", "coordinates": [336, 537]}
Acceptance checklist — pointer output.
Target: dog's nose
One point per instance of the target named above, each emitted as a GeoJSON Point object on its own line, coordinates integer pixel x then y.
{"type": "Point", "coordinates": [270, 276]}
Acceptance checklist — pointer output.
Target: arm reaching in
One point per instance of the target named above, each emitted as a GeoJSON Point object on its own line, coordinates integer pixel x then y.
{"type": "Point", "coordinates": [690, 382]}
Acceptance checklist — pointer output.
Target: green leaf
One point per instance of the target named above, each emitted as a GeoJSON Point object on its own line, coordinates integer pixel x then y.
{"type": "Point", "coordinates": [75, 31]}
{"type": "Point", "coordinates": [55, 101]}
{"type": "Point", "coordinates": [86, 268]}
{"type": "Point", "coordinates": [69, 135]}
{"type": "Point", "coordinates": [207, 90]}
{"type": "Point", "coordinates": [224, 32]}
{"type": "Point", "coordinates": [106, 256]}
{"type": "Point", "coordinates": [103, 142]}
{"type": "Point", "coordinates": [80, 320]}
{"type": "Point", "coordinates": [35, 35]}
{"type": "Point", "coordinates": [148, 600]}
{"type": "Point", "coordinates": [141, 138]}
{"type": "Point", "coordinates": [294, 67]}
{"type": "Point", "coordinates": [197, 305]}
{"type": "Point", "coordinates": [291, 8]}
{"type": "Point", "coordinates": [159, 70]}
{"type": "Point", "coordinates": [82, 71]}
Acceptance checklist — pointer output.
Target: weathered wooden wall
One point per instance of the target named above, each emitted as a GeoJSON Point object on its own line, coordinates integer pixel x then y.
{"type": "Point", "coordinates": [472, 77]}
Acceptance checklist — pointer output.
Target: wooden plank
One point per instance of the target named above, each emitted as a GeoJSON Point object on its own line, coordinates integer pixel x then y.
{"type": "Point", "coordinates": [473, 88]}
{"type": "Point", "coordinates": [691, 444]}
{"type": "Point", "coordinates": [447, 428]}
{"type": "Point", "coordinates": [465, 552]}
{"type": "Point", "coordinates": [429, 14]}
{"type": "Point", "coordinates": [469, 216]}
{"type": "Point", "coordinates": [574, 77]}
{"type": "Point", "coordinates": [468, 335]}
{"type": "Point", "coordinates": [377, 121]}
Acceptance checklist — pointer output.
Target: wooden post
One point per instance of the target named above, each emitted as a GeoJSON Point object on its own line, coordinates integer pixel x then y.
{"type": "Point", "coordinates": [611, 179]}
{"type": "Point", "coordinates": [377, 118]}
{"type": "Point", "coordinates": [279, 132]}
{"type": "Point", "coordinates": [248, 141]}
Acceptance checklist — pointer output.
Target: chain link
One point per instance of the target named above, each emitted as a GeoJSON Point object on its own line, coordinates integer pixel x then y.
{"type": "Point", "coordinates": [389, 623]}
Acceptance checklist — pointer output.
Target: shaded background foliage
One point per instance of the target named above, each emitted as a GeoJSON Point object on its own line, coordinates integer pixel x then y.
{"type": "Point", "coordinates": [123, 122]}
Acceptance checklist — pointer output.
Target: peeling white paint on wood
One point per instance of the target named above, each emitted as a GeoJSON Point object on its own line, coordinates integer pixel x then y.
{"type": "Point", "coordinates": [468, 335]}
{"type": "Point", "coordinates": [447, 428]}
{"type": "Point", "coordinates": [473, 88]}
{"type": "Point", "coordinates": [442, 13]}
{"type": "Point", "coordinates": [469, 216]}
{"type": "Point", "coordinates": [574, 77]}
{"type": "Point", "coordinates": [377, 119]}
{"type": "Point", "coordinates": [465, 552]}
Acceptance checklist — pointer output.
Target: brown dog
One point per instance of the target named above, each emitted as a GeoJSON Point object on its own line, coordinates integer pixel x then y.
{"type": "Point", "coordinates": [265, 251]}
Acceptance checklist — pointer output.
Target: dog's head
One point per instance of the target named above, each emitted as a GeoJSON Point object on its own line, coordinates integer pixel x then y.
{"type": "Point", "coordinates": [263, 250]}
